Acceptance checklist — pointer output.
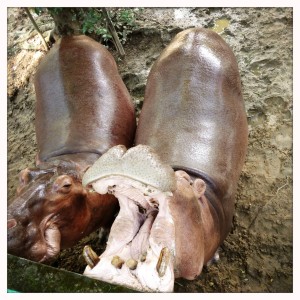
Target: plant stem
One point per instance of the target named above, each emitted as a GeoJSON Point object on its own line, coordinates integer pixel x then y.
{"type": "Point", "coordinates": [114, 33]}
{"type": "Point", "coordinates": [37, 28]}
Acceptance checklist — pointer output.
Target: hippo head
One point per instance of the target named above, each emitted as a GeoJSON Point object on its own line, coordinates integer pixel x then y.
{"type": "Point", "coordinates": [52, 211]}
{"type": "Point", "coordinates": [157, 235]}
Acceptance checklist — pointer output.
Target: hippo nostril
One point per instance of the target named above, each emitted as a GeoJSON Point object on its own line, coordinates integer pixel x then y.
{"type": "Point", "coordinates": [11, 223]}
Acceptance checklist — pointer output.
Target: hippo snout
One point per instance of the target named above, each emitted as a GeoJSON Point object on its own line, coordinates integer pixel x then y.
{"type": "Point", "coordinates": [53, 211]}
{"type": "Point", "coordinates": [11, 223]}
{"type": "Point", "coordinates": [25, 241]}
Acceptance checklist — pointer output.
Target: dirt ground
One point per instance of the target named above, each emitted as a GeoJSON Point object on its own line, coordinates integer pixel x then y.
{"type": "Point", "coordinates": [257, 254]}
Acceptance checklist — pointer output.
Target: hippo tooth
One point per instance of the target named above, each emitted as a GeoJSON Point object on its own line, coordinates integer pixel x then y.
{"type": "Point", "coordinates": [117, 262]}
{"type": "Point", "coordinates": [131, 264]}
{"type": "Point", "coordinates": [143, 257]}
{"type": "Point", "coordinates": [163, 261]}
{"type": "Point", "coordinates": [140, 163]}
{"type": "Point", "coordinates": [90, 256]}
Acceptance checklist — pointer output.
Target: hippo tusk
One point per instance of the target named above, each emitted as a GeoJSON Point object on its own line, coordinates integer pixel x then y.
{"type": "Point", "coordinates": [90, 256]}
{"type": "Point", "coordinates": [163, 261]}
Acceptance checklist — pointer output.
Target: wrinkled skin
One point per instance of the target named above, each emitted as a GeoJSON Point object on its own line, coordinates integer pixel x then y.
{"type": "Point", "coordinates": [58, 211]}
{"type": "Point", "coordinates": [82, 109]}
{"type": "Point", "coordinates": [193, 121]}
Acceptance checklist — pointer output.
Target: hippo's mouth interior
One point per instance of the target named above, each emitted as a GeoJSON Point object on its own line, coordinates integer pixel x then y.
{"type": "Point", "coordinates": [141, 245]}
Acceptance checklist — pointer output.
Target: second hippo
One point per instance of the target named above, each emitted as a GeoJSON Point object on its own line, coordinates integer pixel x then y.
{"type": "Point", "coordinates": [176, 188]}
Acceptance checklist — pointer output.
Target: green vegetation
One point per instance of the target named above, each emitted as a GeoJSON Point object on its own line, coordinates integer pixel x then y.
{"type": "Point", "coordinates": [92, 21]}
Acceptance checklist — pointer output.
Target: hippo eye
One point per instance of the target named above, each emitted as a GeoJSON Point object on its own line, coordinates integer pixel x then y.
{"type": "Point", "coordinates": [63, 184]}
{"type": "Point", "coordinates": [65, 188]}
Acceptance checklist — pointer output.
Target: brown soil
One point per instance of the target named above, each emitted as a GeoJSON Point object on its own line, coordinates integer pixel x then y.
{"type": "Point", "coordinates": [257, 255]}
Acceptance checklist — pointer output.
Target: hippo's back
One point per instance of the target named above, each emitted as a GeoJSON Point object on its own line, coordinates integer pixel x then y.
{"type": "Point", "coordinates": [82, 102]}
{"type": "Point", "coordinates": [193, 113]}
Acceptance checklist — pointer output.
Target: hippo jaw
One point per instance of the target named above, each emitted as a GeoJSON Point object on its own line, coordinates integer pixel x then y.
{"type": "Point", "coordinates": [158, 234]}
{"type": "Point", "coordinates": [141, 246]}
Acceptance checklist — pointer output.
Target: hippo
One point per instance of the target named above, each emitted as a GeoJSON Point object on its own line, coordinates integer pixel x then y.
{"type": "Point", "coordinates": [82, 109]}
{"type": "Point", "coordinates": [176, 187]}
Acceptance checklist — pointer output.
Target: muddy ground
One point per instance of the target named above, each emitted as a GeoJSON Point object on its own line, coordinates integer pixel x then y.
{"type": "Point", "coordinates": [257, 255]}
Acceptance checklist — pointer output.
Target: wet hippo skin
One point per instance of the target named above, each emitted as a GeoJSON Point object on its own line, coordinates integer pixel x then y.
{"type": "Point", "coordinates": [82, 109]}
{"type": "Point", "coordinates": [193, 116]}
{"type": "Point", "coordinates": [193, 129]}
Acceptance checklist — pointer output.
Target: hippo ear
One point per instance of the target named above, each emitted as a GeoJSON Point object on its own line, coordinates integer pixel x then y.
{"type": "Point", "coordinates": [24, 178]}
{"type": "Point", "coordinates": [26, 175]}
{"type": "Point", "coordinates": [199, 187]}
{"type": "Point", "coordinates": [29, 174]}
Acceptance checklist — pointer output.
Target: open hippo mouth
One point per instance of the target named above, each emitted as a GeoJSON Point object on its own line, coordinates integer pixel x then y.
{"type": "Point", "coordinates": [141, 247]}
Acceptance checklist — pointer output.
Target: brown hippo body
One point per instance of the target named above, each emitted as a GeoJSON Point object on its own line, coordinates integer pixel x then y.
{"type": "Point", "coordinates": [82, 105]}
{"type": "Point", "coordinates": [193, 116]}
{"type": "Point", "coordinates": [82, 109]}
{"type": "Point", "coordinates": [176, 188]}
